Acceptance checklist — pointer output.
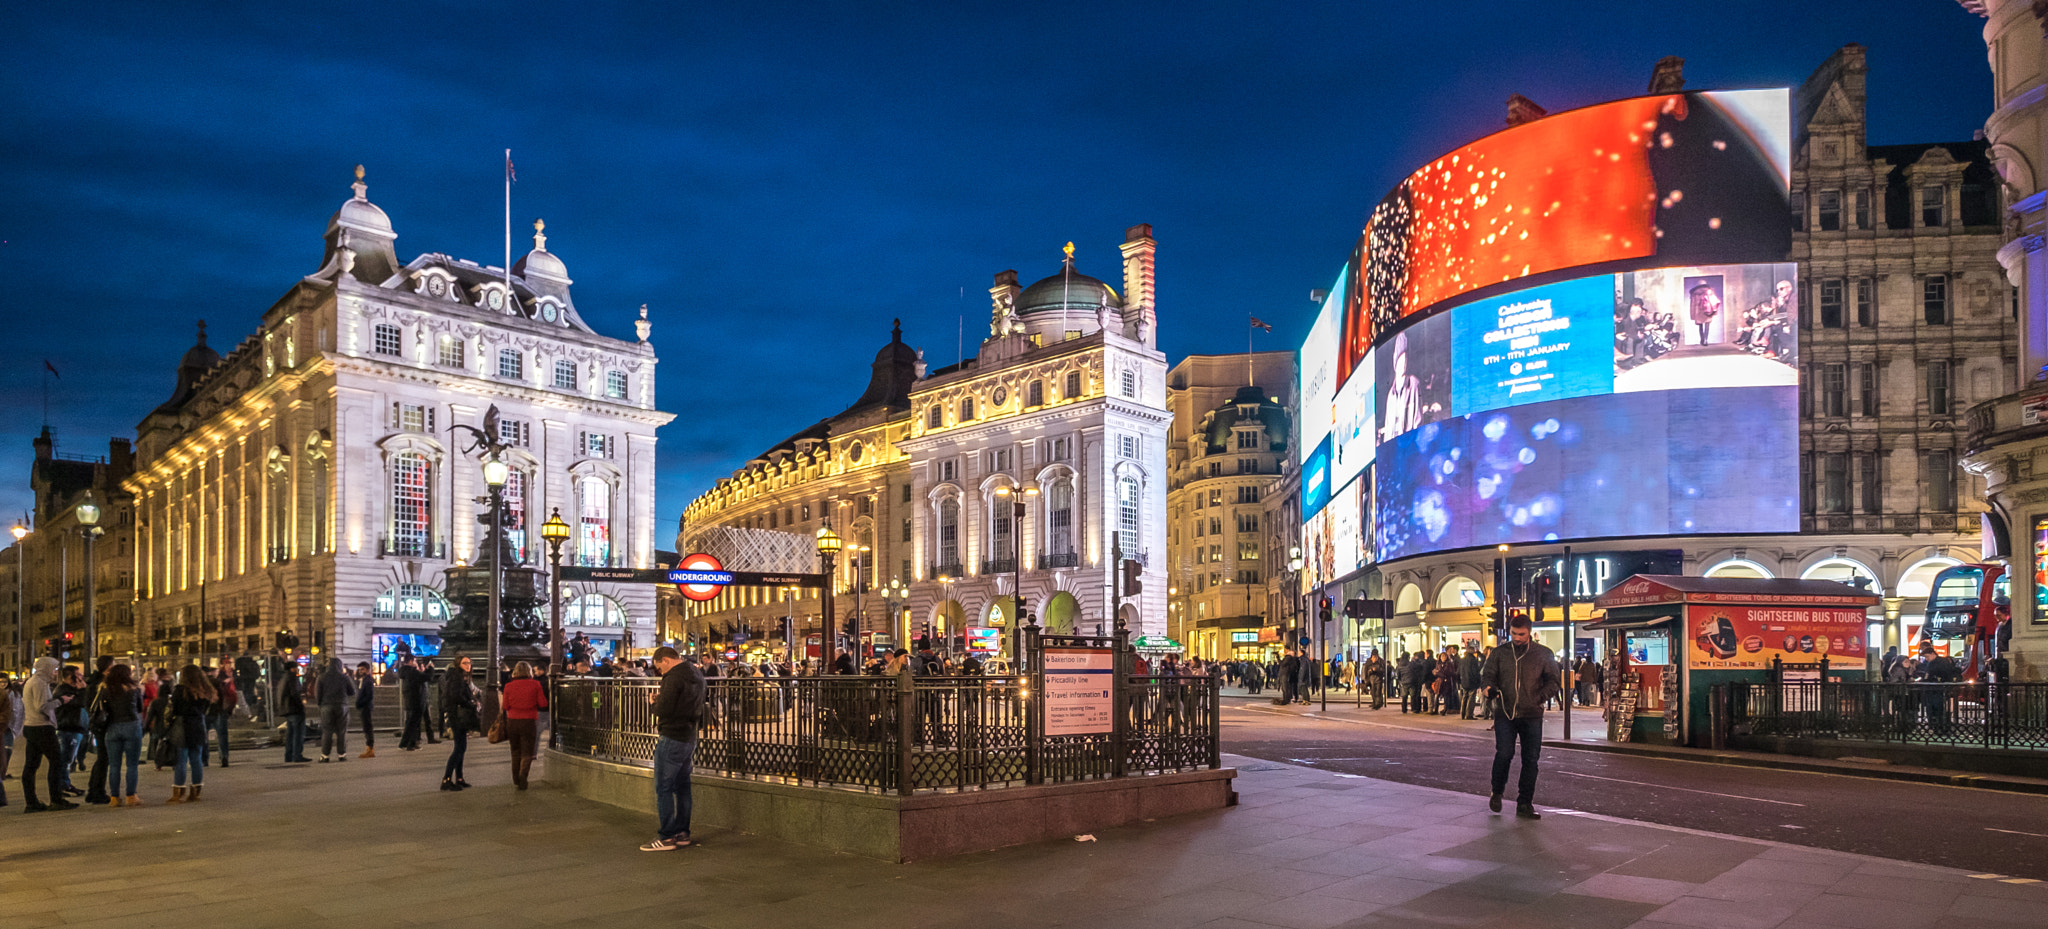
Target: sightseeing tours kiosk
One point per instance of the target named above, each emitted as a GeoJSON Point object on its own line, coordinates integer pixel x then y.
{"type": "Point", "coordinates": [1671, 638]}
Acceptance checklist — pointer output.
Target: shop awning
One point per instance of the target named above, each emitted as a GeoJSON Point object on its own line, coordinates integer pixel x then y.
{"type": "Point", "coordinates": [1619, 623]}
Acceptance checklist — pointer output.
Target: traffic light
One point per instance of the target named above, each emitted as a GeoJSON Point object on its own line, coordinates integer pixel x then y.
{"type": "Point", "coordinates": [1323, 609]}
{"type": "Point", "coordinates": [1132, 569]}
{"type": "Point", "coordinates": [58, 647]}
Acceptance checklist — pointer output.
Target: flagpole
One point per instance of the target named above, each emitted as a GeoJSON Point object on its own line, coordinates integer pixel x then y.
{"type": "Point", "coordinates": [508, 230]}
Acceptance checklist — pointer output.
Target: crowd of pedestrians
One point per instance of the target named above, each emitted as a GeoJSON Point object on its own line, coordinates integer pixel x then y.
{"type": "Point", "coordinates": [65, 723]}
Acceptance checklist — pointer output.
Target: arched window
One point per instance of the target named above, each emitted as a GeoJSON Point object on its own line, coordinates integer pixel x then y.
{"type": "Point", "coordinates": [515, 513]}
{"type": "Point", "coordinates": [594, 610]}
{"type": "Point", "coordinates": [411, 603]}
{"type": "Point", "coordinates": [1059, 522]}
{"type": "Point", "coordinates": [1459, 592]}
{"type": "Point", "coordinates": [316, 478]}
{"type": "Point", "coordinates": [594, 523]}
{"type": "Point", "coordinates": [412, 511]}
{"type": "Point", "coordinates": [949, 534]}
{"type": "Point", "coordinates": [1738, 567]}
{"type": "Point", "coordinates": [1127, 514]}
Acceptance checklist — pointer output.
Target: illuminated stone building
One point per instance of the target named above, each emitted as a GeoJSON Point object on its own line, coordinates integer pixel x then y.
{"type": "Point", "coordinates": [1227, 450]}
{"type": "Point", "coordinates": [1063, 408]}
{"type": "Point", "coordinates": [308, 481]}
{"type": "Point", "coordinates": [51, 560]}
{"type": "Point", "coordinates": [1906, 320]}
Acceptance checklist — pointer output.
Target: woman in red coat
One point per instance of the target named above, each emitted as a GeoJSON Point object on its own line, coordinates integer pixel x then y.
{"type": "Point", "coordinates": [524, 699]}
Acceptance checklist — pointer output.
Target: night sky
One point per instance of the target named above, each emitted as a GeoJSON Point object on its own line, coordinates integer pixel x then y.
{"type": "Point", "coordinates": [777, 183]}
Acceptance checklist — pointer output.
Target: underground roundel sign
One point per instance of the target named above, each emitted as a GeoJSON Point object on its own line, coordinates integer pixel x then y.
{"type": "Point", "coordinates": [700, 562]}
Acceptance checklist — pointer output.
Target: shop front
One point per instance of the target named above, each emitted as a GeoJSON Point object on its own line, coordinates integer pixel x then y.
{"type": "Point", "coordinates": [1669, 639]}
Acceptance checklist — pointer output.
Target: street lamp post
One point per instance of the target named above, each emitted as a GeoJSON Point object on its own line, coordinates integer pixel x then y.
{"type": "Point", "coordinates": [20, 584]}
{"type": "Point", "coordinates": [88, 514]}
{"type": "Point", "coordinates": [829, 545]}
{"type": "Point", "coordinates": [555, 531]}
{"type": "Point", "coordinates": [893, 594]}
{"type": "Point", "coordinates": [1016, 550]}
{"type": "Point", "coordinates": [496, 472]}
{"type": "Point", "coordinates": [861, 554]}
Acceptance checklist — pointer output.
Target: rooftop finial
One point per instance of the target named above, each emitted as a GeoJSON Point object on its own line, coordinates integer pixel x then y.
{"type": "Point", "coordinates": [896, 330]}
{"type": "Point", "coordinates": [1069, 250]}
{"type": "Point", "coordinates": [641, 326]}
{"type": "Point", "coordinates": [362, 189]}
{"type": "Point", "coordinates": [540, 241]}
{"type": "Point", "coordinates": [202, 330]}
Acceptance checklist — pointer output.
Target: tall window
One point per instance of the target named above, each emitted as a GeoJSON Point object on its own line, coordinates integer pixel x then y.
{"type": "Point", "coordinates": [1862, 209]}
{"type": "Point", "coordinates": [1830, 210]}
{"type": "Point", "coordinates": [412, 512]}
{"type": "Point", "coordinates": [1866, 383]}
{"type": "Point", "coordinates": [517, 432]}
{"type": "Point", "coordinates": [906, 529]}
{"type": "Point", "coordinates": [1127, 514]}
{"type": "Point", "coordinates": [1130, 383]}
{"type": "Point", "coordinates": [1000, 530]}
{"type": "Point", "coordinates": [1938, 476]}
{"type": "Point", "coordinates": [515, 513]}
{"type": "Point", "coordinates": [511, 364]}
{"type": "Point", "coordinates": [1938, 383]}
{"type": "Point", "coordinates": [316, 478]}
{"type": "Point", "coordinates": [1867, 483]}
{"type": "Point", "coordinates": [1934, 298]}
{"type": "Point", "coordinates": [384, 339]}
{"type": "Point", "coordinates": [565, 374]}
{"type": "Point", "coordinates": [1866, 302]}
{"type": "Point", "coordinates": [451, 352]}
{"type": "Point", "coordinates": [1933, 206]}
{"type": "Point", "coordinates": [1799, 211]}
{"type": "Point", "coordinates": [1831, 303]}
{"type": "Point", "coordinates": [615, 384]}
{"type": "Point", "coordinates": [1073, 384]}
{"type": "Point", "coordinates": [1059, 507]}
{"type": "Point", "coordinates": [966, 408]}
{"type": "Point", "coordinates": [936, 419]}
{"type": "Point", "coordinates": [949, 532]}
{"type": "Point", "coordinates": [594, 523]}
{"type": "Point", "coordinates": [1834, 484]}
{"type": "Point", "coordinates": [1034, 395]}
{"type": "Point", "coordinates": [1834, 390]}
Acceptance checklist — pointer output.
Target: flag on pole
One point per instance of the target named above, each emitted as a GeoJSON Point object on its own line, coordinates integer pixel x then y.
{"type": "Point", "coordinates": [53, 369]}
{"type": "Point", "coordinates": [511, 176]}
{"type": "Point", "coordinates": [1258, 324]}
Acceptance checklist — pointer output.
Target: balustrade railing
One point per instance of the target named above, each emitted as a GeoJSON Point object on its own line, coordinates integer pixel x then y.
{"type": "Point", "coordinates": [898, 734]}
{"type": "Point", "coordinates": [1982, 715]}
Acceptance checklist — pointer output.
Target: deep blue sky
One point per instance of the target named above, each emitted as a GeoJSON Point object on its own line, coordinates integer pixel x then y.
{"type": "Point", "coordinates": [778, 182]}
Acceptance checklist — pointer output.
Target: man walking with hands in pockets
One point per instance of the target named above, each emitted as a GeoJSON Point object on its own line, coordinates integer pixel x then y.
{"type": "Point", "coordinates": [1521, 674]}
{"type": "Point", "coordinates": [678, 706]}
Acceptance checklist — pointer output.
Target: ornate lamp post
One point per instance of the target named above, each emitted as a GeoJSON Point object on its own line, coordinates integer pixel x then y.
{"type": "Point", "coordinates": [829, 545]}
{"type": "Point", "coordinates": [88, 514]}
{"type": "Point", "coordinates": [893, 594]}
{"type": "Point", "coordinates": [496, 473]}
{"type": "Point", "coordinates": [860, 556]}
{"type": "Point", "coordinates": [20, 584]}
{"type": "Point", "coordinates": [555, 531]}
{"type": "Point", "coordinates": [1016, 556]}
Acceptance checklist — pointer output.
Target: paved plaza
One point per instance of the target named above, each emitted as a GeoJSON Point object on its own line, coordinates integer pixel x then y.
{"type": "Point", "coordinates": [372, 842]}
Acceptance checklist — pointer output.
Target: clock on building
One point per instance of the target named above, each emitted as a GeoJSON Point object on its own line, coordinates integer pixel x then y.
{"type": "Point", "coordinates": [547, 312]}
{"type": "Point", "coordinates": [437, 286]}
{"type": "Point", "coordinates": [1002, 394]}
{"type": "Point", "coordinates": [496, 299]}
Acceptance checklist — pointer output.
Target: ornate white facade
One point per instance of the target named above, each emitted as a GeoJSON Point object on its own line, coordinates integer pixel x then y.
{"type": "Point", "coordinates": [308, 481]}
{"type": "Point", "coordinates": [1063, 408]}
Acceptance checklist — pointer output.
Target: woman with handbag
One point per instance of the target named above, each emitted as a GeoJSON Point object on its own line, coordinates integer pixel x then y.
{"type": "Point", "coordinates": [521, 705]}
{"type": "Point", "coordinates": [459, 703]}
{"type": "Point", "coordinates": [191, 700]}
{"type": "Point", "coordinates": [292, 697]}
{"type": "Point", "coordinates": [120, 701]}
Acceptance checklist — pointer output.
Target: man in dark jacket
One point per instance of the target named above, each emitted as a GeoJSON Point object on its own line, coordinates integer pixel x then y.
{"type": "Point", "coordinates": [413, 680]}
{"type": "Point", "coordinates": [678, 706]}
{"type": "Point", "coordinates": [334, 688]}
{"type": "Point", "coordinates": [1468, 680]}
{"type": "Point", "coordinates": [1522, 674]}
{"type": "Point", "coordinates": [1421, 671]}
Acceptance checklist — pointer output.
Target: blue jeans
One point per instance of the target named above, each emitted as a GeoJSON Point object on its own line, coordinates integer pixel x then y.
{"type": "Point", "coordinates": [1506, 729]}
{"type": "Point", "coordinates": [70, 742]}
{"type": "Point", "coordinates": [217, 726]}
{"type": "Point", "coordinates": [124, 750]}
{"type": "Point", "coordinates": [672, 760]}
{"type": "Point", "coordinates": [295, 737]}
{"type": "Point", "coordinates": [191, 757]}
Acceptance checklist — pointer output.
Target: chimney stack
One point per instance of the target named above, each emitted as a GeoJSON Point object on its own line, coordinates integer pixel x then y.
{"type": "Point", "coordinates": [1668, 77]}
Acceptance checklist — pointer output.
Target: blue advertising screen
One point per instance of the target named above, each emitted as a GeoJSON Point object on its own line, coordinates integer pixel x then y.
{"type": "Point", "coordinates": [1315, 480]}
{"type": "Point", "coordinates": [1545, 343]}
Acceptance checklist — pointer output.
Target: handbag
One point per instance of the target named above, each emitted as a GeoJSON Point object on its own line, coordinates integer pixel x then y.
{"type": "Point", "coordinates": [497, 733]}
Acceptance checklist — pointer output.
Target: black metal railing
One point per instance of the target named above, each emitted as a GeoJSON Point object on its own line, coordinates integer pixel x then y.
{"type": "Point", "coordinates": [1982, 715]}
{"type": "Point", "coordinates": [948, 570]}
{"type": "Point", "coordinates": [1060, 560]}
{"type": "Point", "coordinates": [898, 734]}
{"type": "Point", "coordinates": [411, 547]}
{"type": "Point", "coordinates": [999, 566]}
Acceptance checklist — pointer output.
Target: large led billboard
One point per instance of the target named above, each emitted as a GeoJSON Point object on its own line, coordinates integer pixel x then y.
{"type": "Point", "coordinates": [1581, 327]}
